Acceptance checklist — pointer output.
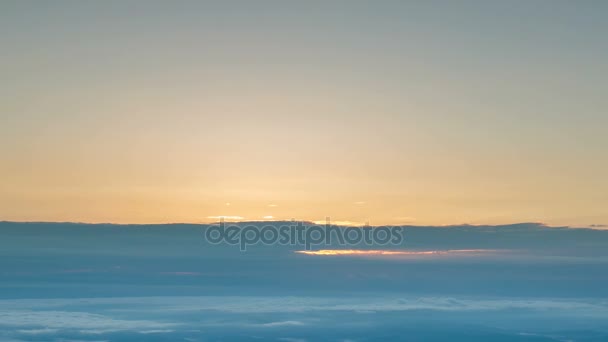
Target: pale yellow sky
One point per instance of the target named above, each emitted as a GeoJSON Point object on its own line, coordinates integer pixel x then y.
{"type": "Point", "coordinates": [400, 113]}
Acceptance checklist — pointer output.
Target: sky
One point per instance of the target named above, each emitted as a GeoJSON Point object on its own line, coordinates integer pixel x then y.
{"type": "Point", "coordinates": [388, 112]}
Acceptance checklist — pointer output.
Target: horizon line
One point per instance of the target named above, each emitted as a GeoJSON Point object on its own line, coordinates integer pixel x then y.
{"type": "Point", "coordinates": [539, 224]}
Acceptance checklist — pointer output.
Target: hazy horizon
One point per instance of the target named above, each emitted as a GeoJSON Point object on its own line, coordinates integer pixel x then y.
{"type": "Point", "coordinates": [315, 222]}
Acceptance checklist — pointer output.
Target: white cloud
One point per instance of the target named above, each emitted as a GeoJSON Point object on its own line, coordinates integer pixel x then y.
{"type": "Point", "coordinates": [46, 316]}
{"type": "Point", "coordinates": [37, 331]}
{"type": "Point", "coordinates": [341, 223]}
{"type": "Point", "coordinates": [158, 331]}
{"type": "Point", "coordinates": [280, 324]}
{"type": "Point", "coordinates": [226, 217]}
{"type": "Point", "coordinates": [23, 312]}
{"type": "Point", "coordinates": [50, 321]}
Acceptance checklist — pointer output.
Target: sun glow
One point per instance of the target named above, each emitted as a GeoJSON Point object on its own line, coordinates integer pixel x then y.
{"type": "Point", "coordinates": [392, 252]}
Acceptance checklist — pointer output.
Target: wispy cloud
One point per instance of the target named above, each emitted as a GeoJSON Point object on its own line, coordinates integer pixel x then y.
{"type": "Point", "coordinates": [280, 324]}
{"type": "Point", "coordinates": [341, 223]}
{"type": "Point", "coordinates": [226, 217]}
{"type": "Point", "coordinates": [47, 321]}
{"type": "Point", "coordinates": [292, 339]}
{"type": "Point", "coordinates": [39, 314]}
{"type": "Point", "coordinates": [181, 273]}
{"type": "Point", "coordinates": [364, 252]}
